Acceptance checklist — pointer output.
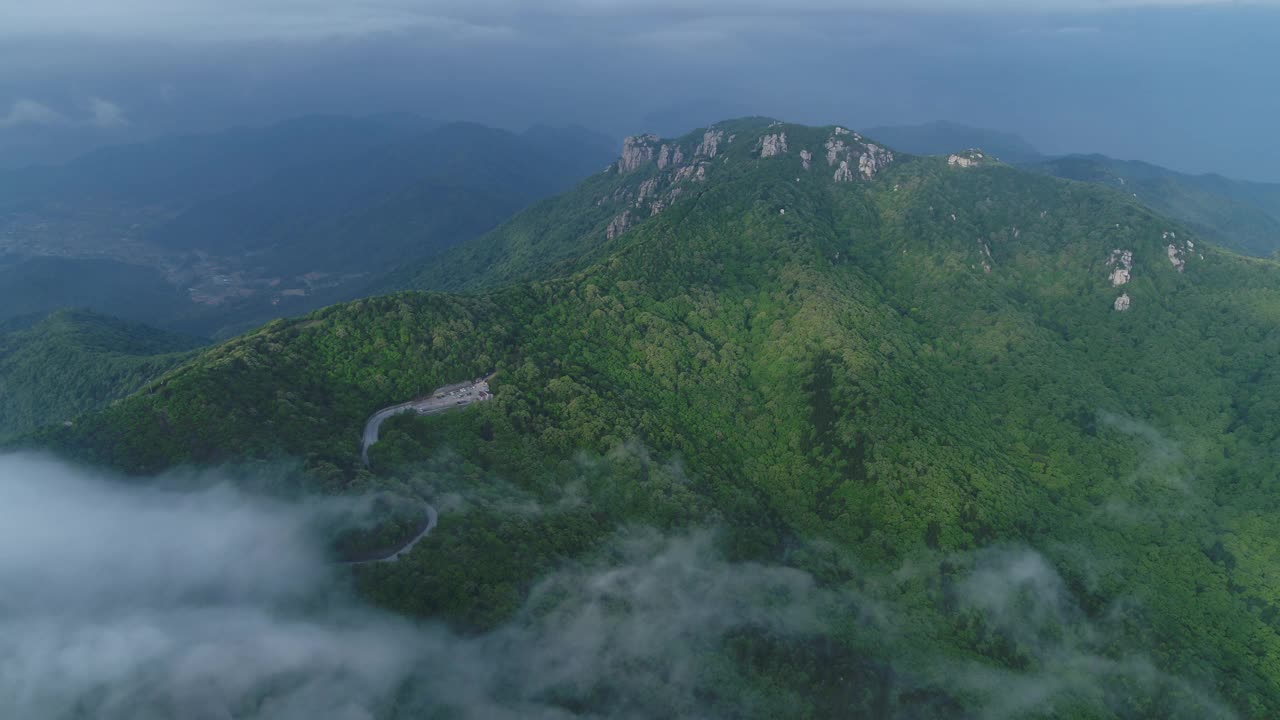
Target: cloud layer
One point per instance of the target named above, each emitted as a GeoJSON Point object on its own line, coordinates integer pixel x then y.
{"type": "Point", "coordinates": [232, 19]}
{"type": "Point", "coordinates": [130, 602]}
{"type": "Point", "coordinates": [29, 112]}
{"type": "Point", "coordinates": [121, 601]}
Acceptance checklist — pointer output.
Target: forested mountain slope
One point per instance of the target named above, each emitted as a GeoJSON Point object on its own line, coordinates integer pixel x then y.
{"type": "Point", "coordinates": [1242, 216]}
{"type": "Point", "coordinates": [1019, 430]}
{"type": "Point", "coordinates": [72, 362]}
{"type": "Point", "coordinates": [176, 171]}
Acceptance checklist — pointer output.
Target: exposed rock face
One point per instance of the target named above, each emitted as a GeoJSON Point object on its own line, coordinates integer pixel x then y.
{"type": "Point", "coordinates": [1121, 264]}
{"type": "Point", "coordinates": [710, 144]}
{"type": "Point", "coordinates": [774, 144]}
{"type": "Point", "coordinates": [968, 158]}
{"type": "Point", "coordinates": [806, 159]}
{"type": "Point", "coordinates": [871, 161]}
{"type": "Point", "coordinates": [647, 189]}
{"type": "Point", "coordinates": [987, 259]}
{"type": "Point", "coordinates": [618, 225]}
{"type": "Point", "coordinates": [1178, 251]}
{"type": "Point", "coordinates": [870, 158]}
{"type": "Point", "coordinates": [636, 151]}
{"type": "Point", "coordinates": [835, 147]}
{"type": "Point", "coordinates": [1122, 302]}
{"type": "Point", "coordinates": [664, 156]}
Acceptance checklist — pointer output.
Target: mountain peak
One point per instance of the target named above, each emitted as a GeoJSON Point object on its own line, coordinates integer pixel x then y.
{"type": "Point", "coordinates": [847, 153]}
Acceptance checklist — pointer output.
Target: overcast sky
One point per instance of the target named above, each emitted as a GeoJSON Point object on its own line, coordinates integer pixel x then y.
{"type": "Point", "coordinates": [1190, 85]}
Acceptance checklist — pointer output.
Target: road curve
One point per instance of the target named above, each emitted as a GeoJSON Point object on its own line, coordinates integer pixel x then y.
{"type": "Point", "coordinates": [441, 400]}
{"type": "Point", "coordinates": [432, 517]}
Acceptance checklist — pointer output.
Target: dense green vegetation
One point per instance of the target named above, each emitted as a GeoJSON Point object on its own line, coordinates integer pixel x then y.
{"type": "Point", "coordinates": [915, 387]}
{"type": "Point", "coordinates": [1242, 216]}
{"type": "Point", "coordinates": [72, 362]}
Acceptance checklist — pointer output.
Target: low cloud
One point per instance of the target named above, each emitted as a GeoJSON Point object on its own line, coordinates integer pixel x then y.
{"type": "Point", "coordinates": [29, 112]}
{"type": "Point", "coordinates": [1071, 662]}
{"type": "Point", "coordinates": [202, 601]}
{"type": "Point", "coordinates": [123, 601]}
{"type": "Point", "coordinates": [106, 114]}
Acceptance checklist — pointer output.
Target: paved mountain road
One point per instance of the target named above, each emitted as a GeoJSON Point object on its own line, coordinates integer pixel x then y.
{"type": "Point", "coordinates": [449, 397]}
{"type": "Point", "coordinates": [441, 400]}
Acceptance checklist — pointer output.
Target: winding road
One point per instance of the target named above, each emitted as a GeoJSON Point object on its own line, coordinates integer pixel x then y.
{"type": "Point", "coordinates": [444, 399]}
{"type": "Point", "coordinates": [441, 400]}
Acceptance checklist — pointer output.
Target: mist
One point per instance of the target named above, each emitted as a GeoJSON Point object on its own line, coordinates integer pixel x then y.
{"type": "Point", "coordinates": [129, 601]}
{"type": "Point", "coordinates": [123, 601]}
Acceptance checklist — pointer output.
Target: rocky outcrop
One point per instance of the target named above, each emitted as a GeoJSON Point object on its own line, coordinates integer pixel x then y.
{"type": "Point", "coordinates": [1121, 264]}
{"type": "Point", "coordinates": [806, 159]}
{"type": "Point", "coordinates": [868, 158]}
{"type": "Point", "coordinates": [637, 150]}
{"type": "Point", "coordinates": [618, 225]}
{"type": "Point", "coordinates": [873, 160]}
{"type": "Point", "coordinates": [647, 189]}
{"type": "Point", "coordinates": [710, 145]}
{"type": "Point", "coordinates": [1178, 251]}
{"type": "Point", "coordinates": [835, 148]}
{"type": "Point", "coordinates": [666, 181]}
{"type": "Point", "coordinates": [773, 144]}
{"type": "Point", "coordinates": [968, 158]}
{"type": "Point", "coordinates": [1122, 303]}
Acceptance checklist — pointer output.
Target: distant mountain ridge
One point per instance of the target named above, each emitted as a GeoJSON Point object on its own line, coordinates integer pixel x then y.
{"type": "Point", "coordinates": [1241, 215]}
{"type": "Point", "coordinates": [225, 231]}
{"type": "Point", "coordinates": [942, 137]}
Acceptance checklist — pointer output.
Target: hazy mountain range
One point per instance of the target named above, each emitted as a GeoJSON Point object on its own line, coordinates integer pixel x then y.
{"type": "Point", "coordinates": [787, 421]}
{"type": "Point", "coordinates": [209, 233]}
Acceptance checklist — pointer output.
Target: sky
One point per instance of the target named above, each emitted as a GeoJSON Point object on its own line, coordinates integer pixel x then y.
{"type": "Point", "coordinates": [1184, 84]}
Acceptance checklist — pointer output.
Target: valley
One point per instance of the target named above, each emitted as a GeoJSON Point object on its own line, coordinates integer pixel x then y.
{"type": "Point", "coordinates": [236, 228]}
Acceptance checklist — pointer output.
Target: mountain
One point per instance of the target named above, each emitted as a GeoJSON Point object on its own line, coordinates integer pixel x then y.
{"type": "Point", "coordinates": [315, 209]}
{"type": "Point", "coordinates": [72, 362]}
{"type": "Point", "coordinates": [1243, 216]}
{"type": "Point", "coordinates": [1014, 434]}
{"type": "Point", "coordinates": [238, 228]}
{"type": "Point", "coordinates": [175, 171]}
{"type": "Point", "coordinates": [944, 138]}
